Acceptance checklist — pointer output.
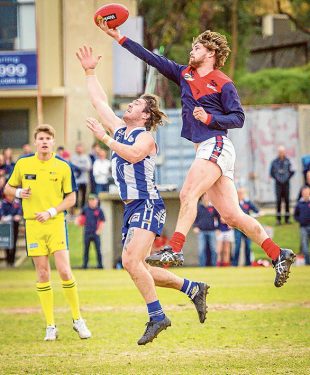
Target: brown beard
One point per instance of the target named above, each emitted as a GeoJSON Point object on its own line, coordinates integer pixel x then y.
{"type": "Point", "coordinates": [193, 64]}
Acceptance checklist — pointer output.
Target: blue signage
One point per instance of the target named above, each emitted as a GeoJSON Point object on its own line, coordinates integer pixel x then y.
{"type": "Point", "coordinates": [18, 70]}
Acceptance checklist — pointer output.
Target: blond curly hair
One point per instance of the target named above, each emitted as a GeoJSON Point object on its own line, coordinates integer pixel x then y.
{"type": "Point", "coordinates": [157, 117]}
{"type": "Point", "coordinates": [214, 42]}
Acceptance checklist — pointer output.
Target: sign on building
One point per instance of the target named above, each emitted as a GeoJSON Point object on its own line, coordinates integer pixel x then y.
{"type": "Point", "coordinates": [18, 70]}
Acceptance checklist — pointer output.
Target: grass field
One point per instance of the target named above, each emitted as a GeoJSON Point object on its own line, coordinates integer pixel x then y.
{"type": "Point", "coordinates": [252, 327]}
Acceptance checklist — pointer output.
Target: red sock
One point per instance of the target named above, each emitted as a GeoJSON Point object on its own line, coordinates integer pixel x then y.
{"type": "Point", "coordinates": [271, 249]}
{"type": "Point", "coordinates": [177, 241]}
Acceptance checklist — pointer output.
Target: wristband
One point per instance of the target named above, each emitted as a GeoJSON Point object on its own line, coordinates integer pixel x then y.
{"type": "Point", "coordinates": [107, 140]}
{"type": "Point", "coordinates": [52, 211]}
{"type": "Point", "coordinates": [18, 193]}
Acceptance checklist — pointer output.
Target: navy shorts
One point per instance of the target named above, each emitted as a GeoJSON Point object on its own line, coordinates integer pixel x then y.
{"type": "Point", "coordinates": [149, 214]}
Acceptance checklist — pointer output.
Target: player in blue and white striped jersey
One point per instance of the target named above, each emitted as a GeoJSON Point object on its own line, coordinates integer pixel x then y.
{"type": "Point", "coordinates": [133, 166]}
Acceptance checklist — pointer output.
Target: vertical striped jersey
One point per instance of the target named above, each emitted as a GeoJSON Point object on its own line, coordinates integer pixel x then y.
{"type": "Point", "coordinates": [134, 181]}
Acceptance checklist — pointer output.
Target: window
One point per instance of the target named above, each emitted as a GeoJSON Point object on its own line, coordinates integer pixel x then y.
{"type": "Point", "coordinates": [14, 128]}
{"type": "Point", "coordinates": [17, 25]}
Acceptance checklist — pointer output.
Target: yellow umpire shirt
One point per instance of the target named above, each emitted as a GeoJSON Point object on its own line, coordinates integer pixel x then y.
{"type": "Point", "coordinates": [49, 181]}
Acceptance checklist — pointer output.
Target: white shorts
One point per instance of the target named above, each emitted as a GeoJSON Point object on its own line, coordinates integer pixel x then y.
{"type": "Point", "coordinates": [220, 151]}
{"type": "Point", "coordinates": [227, 236]}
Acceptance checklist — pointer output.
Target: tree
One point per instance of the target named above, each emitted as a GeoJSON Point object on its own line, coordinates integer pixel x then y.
{"type": "Point", "coordinates": [298, 11]}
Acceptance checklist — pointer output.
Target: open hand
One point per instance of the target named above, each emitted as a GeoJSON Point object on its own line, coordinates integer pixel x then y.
{"type": "Point", "coordinates": [86, 57]}
{"type": "Point", "coordinates": [95, 127]}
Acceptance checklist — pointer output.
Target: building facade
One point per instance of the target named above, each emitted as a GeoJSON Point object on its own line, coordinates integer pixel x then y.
{"type": "Point", "coordinates": [41, 80]}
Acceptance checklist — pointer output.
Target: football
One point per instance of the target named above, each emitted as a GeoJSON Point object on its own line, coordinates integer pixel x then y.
{"type": "Point", "coordinates": [114, 14]}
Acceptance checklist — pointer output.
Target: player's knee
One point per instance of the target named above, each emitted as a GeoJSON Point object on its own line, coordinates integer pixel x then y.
{"type": "Point", "coordinates": [65, 274]}
{"type": "Point", "coordinates": [130, 263]}
{"type": "Point", "coordinates": [43, 275]}
{"type": "Point", "coordinates": [231, 220]}
{"type": "Point", "coordinates": [185, 196]}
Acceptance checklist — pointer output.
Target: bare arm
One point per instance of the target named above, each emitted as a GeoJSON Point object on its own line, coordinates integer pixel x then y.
{"type": "Point", "coordinates": [11, 192]}
{"type": "Point", "coordinates": [96, 92]}
{"type": "Point", "coordinates": [69, 201]}
{"type": "Point", "coordinates": [144, 145]}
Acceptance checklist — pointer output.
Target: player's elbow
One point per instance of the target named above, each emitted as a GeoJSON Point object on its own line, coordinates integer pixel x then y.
{"type": "Point", "coordinates": [8, 191]}
{"type": "Point", "coordinates": [71, 198]}
{"type": "Point", "coordinates": [240, 119]}
{"type": "Point", "coordinates": [135, 156]}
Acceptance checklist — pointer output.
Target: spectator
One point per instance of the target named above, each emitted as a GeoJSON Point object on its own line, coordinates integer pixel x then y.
{"type": "Point", "coordinates": [102, 171]}
{"type": "Point", "coordinates": [307, 183]}
{"type": "Point", "coordinates": [66, 157]}
{"type": "Point", "coordinates": [27, 149]}
{"type": "Point", "coordinates": [60, 150]}
{"type": "Point", "coordinates": [11, 212]}
{"type": "Point", "coordinates": [204, 226]}
{"type": "Point", "coordinates": [2, 184]}
{"type": "Point", "coordinates": [225, 239]}
{"type": "Point", "coordinates": [247, 207]}
{"type": "Point", "coordinates": [8, 161]}
{"type": "Point", "coordinates": [2, 166]}
{"type": "Point", "coordinates": [82, 161]}
{"type": "Point", "coordinates": [302, 215]}
{"type": "Point", "coordinates": [93, 157]}
{"type": "Point", "coordinates": [281, 172]}
{"type": "Point", "coordinates": [92, 218]}
{"type": "Point", "coordinates": [305, 166]}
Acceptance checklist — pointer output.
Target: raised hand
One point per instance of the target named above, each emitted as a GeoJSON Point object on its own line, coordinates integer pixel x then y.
{"type": "Point", "coordinates": [114, 33]}
{"type": "Point", "coordinates": [95, 127]}
{"type": "Point", "coordinates": [86, 57]}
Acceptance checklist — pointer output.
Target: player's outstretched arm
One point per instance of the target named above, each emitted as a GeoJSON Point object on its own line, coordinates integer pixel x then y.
{"type": "Point", "coordinates": [143, 146]}
{"type": "Point", "coordinates": [168, 68]}
{"type": "Point", "coordinates": [96, 92]}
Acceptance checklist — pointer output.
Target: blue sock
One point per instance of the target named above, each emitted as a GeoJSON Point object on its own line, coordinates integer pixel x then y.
{"type": "Point", "coordinates": [190, 288]}
{"type": "Point", "coordinates": [155, 311]}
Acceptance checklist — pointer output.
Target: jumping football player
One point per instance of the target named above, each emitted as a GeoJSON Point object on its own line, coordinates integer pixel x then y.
{"type": "Point", "coordinates": [210, 106]}
{"type": "Point", "coordinates": [133, 166]}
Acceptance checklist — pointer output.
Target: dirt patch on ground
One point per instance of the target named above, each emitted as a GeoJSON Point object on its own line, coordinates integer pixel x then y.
{"type": "Point", "coordinates": [179, 307]}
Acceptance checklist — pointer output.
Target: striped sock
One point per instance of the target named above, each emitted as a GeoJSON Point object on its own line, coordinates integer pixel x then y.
{"type": "Point", "coordinates": [155, 311]}
{"type": "Point", "coordinates": [46, 295]}
{"type": "Point", "coordinates": [190, 288]}
{"type": "Point", "coordinates": [70, 291]}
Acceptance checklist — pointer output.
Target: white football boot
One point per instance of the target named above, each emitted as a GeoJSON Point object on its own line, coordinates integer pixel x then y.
{"type": "Point", "coordinates": [51, 333]}
{"type": "Point", "coordinates": [80, 327]}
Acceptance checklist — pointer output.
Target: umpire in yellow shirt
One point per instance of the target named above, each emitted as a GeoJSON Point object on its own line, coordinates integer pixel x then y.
{"type": "Point", "coordinates": [46, 185]}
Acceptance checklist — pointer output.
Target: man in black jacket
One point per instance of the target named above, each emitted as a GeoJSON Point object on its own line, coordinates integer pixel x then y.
{"type": "Point", "coordinates": [281, 172]}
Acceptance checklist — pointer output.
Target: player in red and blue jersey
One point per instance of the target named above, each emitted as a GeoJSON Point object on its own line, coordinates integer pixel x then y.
{"type": "Point", "coordinates": [210, 106]}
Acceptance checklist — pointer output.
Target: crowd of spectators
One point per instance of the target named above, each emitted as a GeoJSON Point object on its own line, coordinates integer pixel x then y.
{"type": "Point", "coordinates": [218, 244]}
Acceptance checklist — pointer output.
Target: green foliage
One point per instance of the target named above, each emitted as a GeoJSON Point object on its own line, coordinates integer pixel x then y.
{"type": "Point", "coordinates": [275, 86]}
